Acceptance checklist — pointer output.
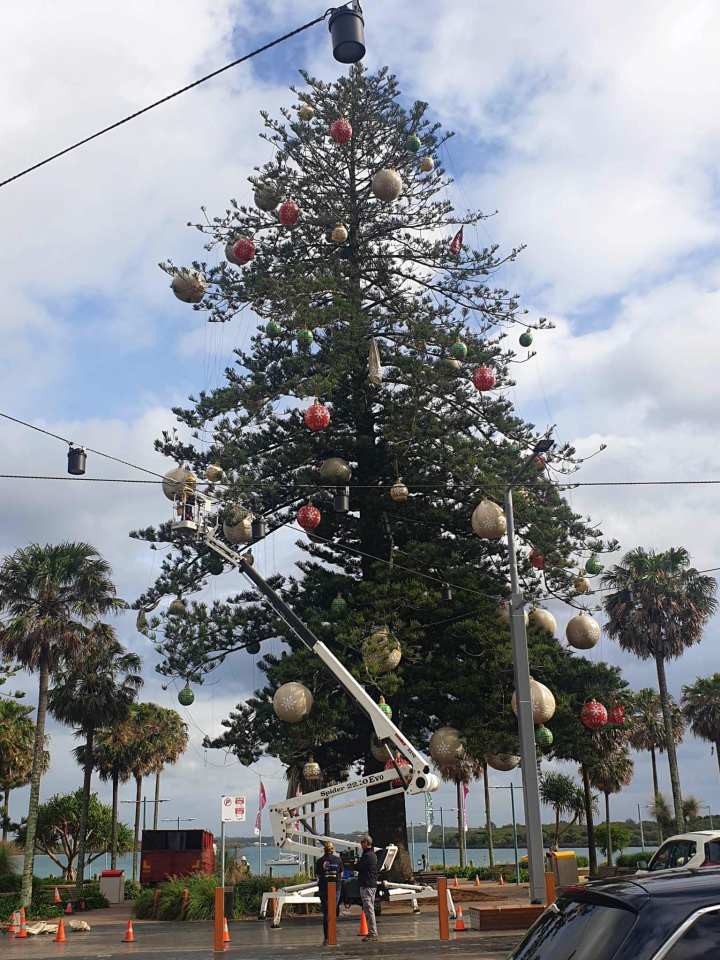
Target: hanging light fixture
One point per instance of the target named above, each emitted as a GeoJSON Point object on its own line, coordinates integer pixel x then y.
{"type": "Point", "coordinates": [77, 458]}
{"type": "Point", "coordinates": [341, 500]}
{"type": "Point", "coordinates": [258, 528]}
{"type": "Point", "coordinates": [347, 29]}
{"type": "Point", "coordinates": [447, 593]}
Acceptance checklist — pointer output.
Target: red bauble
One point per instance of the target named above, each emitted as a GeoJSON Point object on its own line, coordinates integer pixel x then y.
{"type": "Point", "coordinates": [539, 462]}
{"type": "Point", "coordinates": [483, 378]}
{"type": "Point", "coordinates": [316, 417]}
{"type": "Point", "coordinates": [341, 131]}
{"type": "Point", "coordinates": [244, 250]}
{"type": "Point", "coordinates": [537, 559]}
{"type": "Point", "coordinates": [399, 762]}
{"type": "Point", "coordinates": [616, 714]}
{"type": "Point", "coordinates": [593, 715]}
{"type": "Point", "coordinates": [289, 213]}
{"type": "Point", "coordinates": [308, 517]}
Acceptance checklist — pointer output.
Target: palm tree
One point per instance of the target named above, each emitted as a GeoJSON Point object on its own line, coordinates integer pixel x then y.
{"type": "Point", "coordinates": [701, 706]}
{"type": "Point", "coordinates": [488, 814]}
{"type": "Point", "coordinates": [662, 813]}
{"type": "Point", "coordinates": [98, 690]}
{"type": "Point", "coordinates": [113, 762]}
{"type": "Point", "coordinates": [172, 742]}
{"type": "Point", "coordinates": [50, 599]}
{"type": "Point", "coordinates": [645, 727]}
{"type": "Point", "coordinates": [658, 607]}
{"type": "Point", "coordinates": [461, 772]}
{"type": "Point", "coordinates": [17, 736]}
{"type": "Point", "coordinates": [609, 774]}
{"type": "Point", "coordinates": [566, 798]}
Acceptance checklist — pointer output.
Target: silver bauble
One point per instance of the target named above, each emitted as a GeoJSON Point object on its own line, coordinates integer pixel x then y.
{"type": "Point", "coordinates": [292, 702]}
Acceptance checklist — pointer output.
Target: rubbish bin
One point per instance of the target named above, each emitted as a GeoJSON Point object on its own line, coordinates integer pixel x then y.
{"type": "Point", "coordinates": [564, 867]}
{"type": "Point", "coordinates": [112, 885]}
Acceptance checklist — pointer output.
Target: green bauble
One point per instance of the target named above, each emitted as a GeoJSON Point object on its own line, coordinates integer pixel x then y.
{"type": "Point", "coordinates": [253, 648]}
{"type": "Point", "coordinates": [186, 696]}
{"type": "Point", "coordinates": [215, 565]}
{"type": "Point", "coordinates": [305, 339]}
{"type": "Point", "coordinates": [525, 339]}
{"type": "Point", "coordinates": [593, 567]}
{"type": "Point", "coordinates": [543, 737]}
{"type": "Point", "coordinates": [458, 350]}
{"type": "Point", "coordinates": [385, 707]}
{"type": "Point", "coordinates": [272, 329]}
{"type": "Point", "coordinates": [413, 143]}
{"type": "Point", "coordinates": [338, 608]}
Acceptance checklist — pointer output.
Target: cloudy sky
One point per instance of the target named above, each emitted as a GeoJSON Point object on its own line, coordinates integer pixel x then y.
{"type": "Point", "coordinates": [589, 128]}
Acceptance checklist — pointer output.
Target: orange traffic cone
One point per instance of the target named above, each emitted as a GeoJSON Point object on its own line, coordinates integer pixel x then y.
{"type": "Point", "coordinates": [56, 896]}
{"type": "Point", "coordinates": [13, 927]}
{"type": "Point", "coordinates": [459, 922]}
{"type": "Point", "coordinates": [226, 932]}
{"type": "Point", "coordinates": [68, 908]}
{"type": "Point", "coordinates": [477, 880]}
{"type": "Point", "coordinates": [455, 882]}
{"type": "Point", "coordinates": [363, 931]}
{"type": "Point", "coordinates": [22, 932]}
{"type": "Point", "coordinates": [60, 935]}
{"type": "Point", "coordinates": [129, 933]}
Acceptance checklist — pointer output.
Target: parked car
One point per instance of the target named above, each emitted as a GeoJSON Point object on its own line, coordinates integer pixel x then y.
{"type": "Point", "coordinates": [669, 915]}
{"type": "Point", "coordinates": [686, 850]}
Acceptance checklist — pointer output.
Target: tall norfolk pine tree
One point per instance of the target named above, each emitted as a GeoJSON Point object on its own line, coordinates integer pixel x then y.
{"type": "Point", "coordinates": [396, 284]}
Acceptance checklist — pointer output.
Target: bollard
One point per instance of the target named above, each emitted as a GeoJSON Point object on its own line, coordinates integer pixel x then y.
{"type": "Point", "coordinates": [184, 898]}
{"type": "Point", "coordinates": [550, 896]}
{"type": "Point", "coordinates": [331, 913]}
{"type": "Point", "coordinates": [156, 901]}
{"type": "Point", "coordinates": [219, 944]}
{"type": "Point", "coordinates": [443, 921]}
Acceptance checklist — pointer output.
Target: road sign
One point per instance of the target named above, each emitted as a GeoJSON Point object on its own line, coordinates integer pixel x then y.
{"type": "Point", "coordinates": [232, 809]}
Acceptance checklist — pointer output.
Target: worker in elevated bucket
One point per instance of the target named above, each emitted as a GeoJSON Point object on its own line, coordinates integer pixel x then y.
{"type": "Point", "coordinates": [328, 867]}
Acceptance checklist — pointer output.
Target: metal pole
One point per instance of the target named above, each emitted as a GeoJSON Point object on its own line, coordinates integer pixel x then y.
{"type": "Point", "coordinates": [526, 730]}
{"type": "Point", "coordinates": [515, 843]}
{"type": "Point", "coordinates": [442, 831]}
{"type": "Point", "coordinates": [642, 834]}
{"type": "Point", "coordinates": [260, 847]}
{"type": "Point", "coordinates": [222, 852]}
{"type": "Point", "coordinates": [144, 810]}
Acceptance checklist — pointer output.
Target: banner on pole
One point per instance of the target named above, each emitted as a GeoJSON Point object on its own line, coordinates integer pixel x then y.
{"type": "Point", "coordinates": [262, 800]}
{"type": "Point", "coordinates": [465, 792]}
{"type": "Point", "coordinates": [429, 823]}
{"type": "Point", "coordinates": [232, 809]}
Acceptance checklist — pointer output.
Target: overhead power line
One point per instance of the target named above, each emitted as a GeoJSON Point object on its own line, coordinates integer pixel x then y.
{"type": "Point", "coordinates": [165, 99]}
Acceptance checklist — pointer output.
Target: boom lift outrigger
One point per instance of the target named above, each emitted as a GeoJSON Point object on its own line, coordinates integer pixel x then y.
{"type": "Point", "coordinates": [199, 521]}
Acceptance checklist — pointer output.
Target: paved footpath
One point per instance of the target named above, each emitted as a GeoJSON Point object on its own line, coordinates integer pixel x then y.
{"type": "Point", "coordinates": [297, 939]}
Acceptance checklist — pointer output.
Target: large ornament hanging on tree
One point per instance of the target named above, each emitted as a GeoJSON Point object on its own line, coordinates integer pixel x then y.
{"type": "Point", "coordinates": [335, 471]}
{"type": "Point", "coordinates": [243, 250]}
{"type": "Point", "coordinates": [488, 520]}
{"type": "Point", "coordinates": [502, 761]}
{"type": "Point", "coordinates": [616, 714]}
{"type": "Point", "coordinates": [387, 185]}
{"type": "Point", "coordinates": [341, 130]}
{"type": "Point", "coordinates": [177, 481]}
{"type": "Point", "coordinates": [214, 473]}
{"type": "Point", "coordinates": [385, 707]}
{"type": "Point", "coordinates": [177, 608]}
{"type": "Point", "coordinates": [446, 747]}
{"type": "Point", "coordinates": [309, 517]}
{"type": "Point", "coordinates": [593, 567]}
{"type": "Point", "coordinates": [253, 648]}
{"type": "Point", "coordinates": [399, 493]}
{"type": "Point", "coordinates": [306, 112]}
{"type": "Point", "coordinates": [504, 612]}
{"type": "Point", "coordinates": [292, 702]}
{"type": "Point", "coordinates": [272, 329]}
{"type": "Point", "coordinates": [543, 702]}
{"type": "Point", "coordinates": [338, 608]}
{"type": "Point", "coordinates": [526, 339]}
{"type": "Point", "coordinates": [413, 143]}
{"type": "Point", "coordinates": [483, 378]}
{"type": "Point", "coordinates": [377, 749]}
{"type": "Point", "coordinates": [186, 697]}
{"type": "Point", "coordinates": [593, 715]}
{"type": "Point", "coordinates": [289, 213]}
{"type": "Point", "coordinates": [305, 339]}
{"type": "Point", "coordinates": [189, 286]}
{"type": "Point", "coordinates": [266, 199]}
{"type": "Point", "coordinates": [312, 772]}
{"type": "Point", "coordinates": [427, 164]}
{"type": "Point", "coordinates": [381, 651]}
{"type": "Point", "coordinates": [582, 632]}
{"type": "Point", "coordinates": [316, 417]}
{"type": "Point", "coordinates": [581, 584]}
{"type": "Point", "coordinates": [543, 737]}
{"type": "Point", "coordinates": [339, 234]}
{"type": "Point", "coordinates": [544, 619]}
{"type": "Point", "coordinates": [237, 524]}
{"type": "Point", "coordinates": [458, 350]}
{"type": "Point", "coordinates": [537, 560]}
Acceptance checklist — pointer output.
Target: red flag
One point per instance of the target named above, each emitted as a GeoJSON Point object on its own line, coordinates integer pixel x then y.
{"type": "Point", "coordinates": [456, 243]}
{"type": "Point", "coordinates": [262, 800]}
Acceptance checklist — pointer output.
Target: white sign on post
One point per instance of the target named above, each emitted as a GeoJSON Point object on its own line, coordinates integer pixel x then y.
{"type": "Point", "coordinates": [232, 809]}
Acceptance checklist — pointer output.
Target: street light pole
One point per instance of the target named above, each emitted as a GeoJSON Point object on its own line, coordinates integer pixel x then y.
{"type": "Point", "coordinates": [526, 728]}
{"type": "Point", "coordinates": [442, 831]}
{"type": "Point", "coordinates": [642, 833]}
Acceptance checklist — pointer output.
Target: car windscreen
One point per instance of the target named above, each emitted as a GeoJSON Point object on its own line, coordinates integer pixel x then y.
{"type": "Point", "coordinates": [577, 930]}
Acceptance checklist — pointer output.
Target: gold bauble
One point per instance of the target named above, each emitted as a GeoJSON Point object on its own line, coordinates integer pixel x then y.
{"type": "Point", "coordinates": [446, 747]}
{"type": "Point", "coordinates": [544, 619]}
{"type": "Point", "coordinates": [339, 234]}
{"type": "Point", "coordinates": [427, 164]}
{"type": "Point", "coordinates": [582, 632]}
{"type": "Point", "coordinates": [502, 761]}
{"type": "Point", "coordinates": [387, 185]}
{"type": "Point", "coordinates": [214, 473]}
{"type": "Point", "coordinates": [488, 520]}
{"type": "Point", "coordinates": [292, 702]}
{"type": "Point", "coordinates": [177, 481]}
{"type": "Point", "coordinates": [189, 286]}
{"type": "Point", "coordinates": [381, 651]}
{"type": "Point", "coordinates": [399, 492]}
{"type": "Point", "coordinates": [543, 702]}
{"type": "Point", "coordinates": [306, 112]}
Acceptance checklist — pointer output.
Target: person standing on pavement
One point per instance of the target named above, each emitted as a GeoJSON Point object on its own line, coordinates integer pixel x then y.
{"type": "Point", "coordinates": [328, 867]}
{"type": "Point", "coordinates": [368, 878]}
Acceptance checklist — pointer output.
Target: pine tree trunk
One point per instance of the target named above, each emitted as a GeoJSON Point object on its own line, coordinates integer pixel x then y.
{"type": "Point", "coordinates": [670, 745]}
{"type": "Point", "coordinates": [136, 835]}
{"type": "Point", "coordinates": [114, 825]}
{"type": "Point", "coordinates": [656, 789]}
{"type": "Point", "coordinates": [592, 852]}
{"type": "Point", "coordinates": [461, 824]}
{"type": "Point", "coordinates": [6, 815]}
{"type": "Point", "coordinates": [488, 818]}
{"type": "Point", "coordinates": [157, 800]}
{"type": "Point", "coordinates": [607, 827]}
{"type": "Point", "coordinates": [557, 827]}
{"type": "Point", "coordinates": [35, 776]}
{"type": "Point", "coordinates": [84, 808]}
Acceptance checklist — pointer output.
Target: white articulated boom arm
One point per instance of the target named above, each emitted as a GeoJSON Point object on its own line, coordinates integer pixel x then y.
{"type": "Point", "coordinates": [412, 776]}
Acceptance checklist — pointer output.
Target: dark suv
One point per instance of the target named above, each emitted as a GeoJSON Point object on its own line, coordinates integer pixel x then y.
{"type": "Point", "coordinates": [661, 916]}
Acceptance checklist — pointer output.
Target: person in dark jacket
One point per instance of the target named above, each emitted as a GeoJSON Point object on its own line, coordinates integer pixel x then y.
{"type": "Point", "coordinates": [367, 868]}
{"type": "Point", "coordinates": [328, 867]}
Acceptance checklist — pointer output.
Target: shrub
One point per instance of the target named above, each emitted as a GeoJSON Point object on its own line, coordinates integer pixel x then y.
{"type": "Point", "coordinates": [170, 903]}
{"type": "Point", "coordinates": [201, 902]}
{"type": "Point", "coordinates": [143, 906]}
{"type": "Point", "coordinates": [631, 860]}
{"type": "Point", "coordinates": [132, 889]}
{"type": "Point", "coordinates": [7, 852]}
{"type": "Point", "coordinates": [10, 883]}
